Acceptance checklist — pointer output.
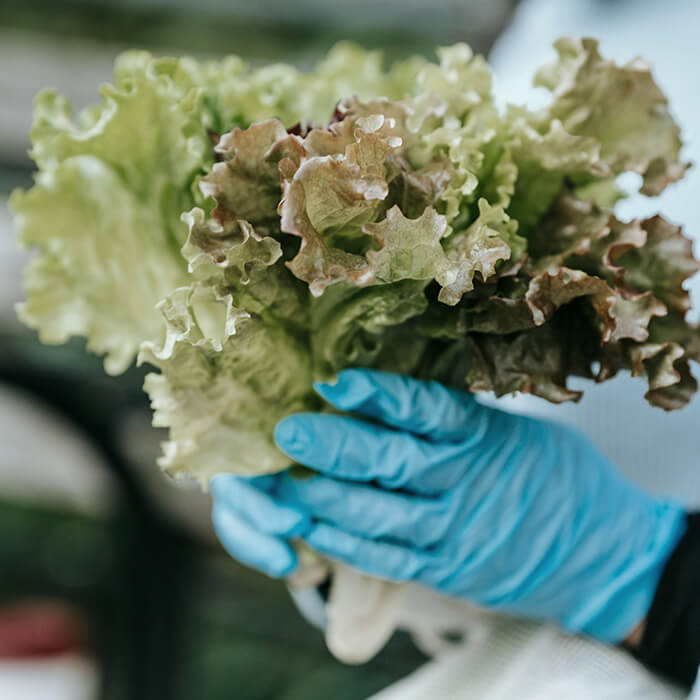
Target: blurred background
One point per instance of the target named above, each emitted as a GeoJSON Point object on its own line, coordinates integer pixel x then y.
{"type": "Point", "coordinates": [112, 585]}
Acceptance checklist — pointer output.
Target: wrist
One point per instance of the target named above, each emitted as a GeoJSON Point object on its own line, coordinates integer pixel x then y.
{"type": "Point", "coordinates": [634, 639]}
{"type": "Point", "coordinates": [670, 643]}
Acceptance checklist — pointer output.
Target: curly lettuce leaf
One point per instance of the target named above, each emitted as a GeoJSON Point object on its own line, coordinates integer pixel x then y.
{"type": "Point", "coordinates": [621, 107]}
{"type": "Point", "coordinates": [544, 160]}
{"type": "Point", "coordinates": [536, 361]}
{"type": "Point", "coordinates": [226, 378]}
{"type": "Point", "coordinates": [491, 239]}
{"type": "Point", "coordinates": [409, 248]}
{"type": "Point", "coordinates": [327, 199]}
{"type": "Point", "coordinates": [245, 184]}
{"type": "Point", "coordinates": [243, 95]}
{"type": "Point", "coordinates": [104, 210]}
{"type": "Point", "coordinates": [661, 264]}
{"type": "Point", "coordinates": [104, 264]}
{"type": "Point", "coordinates": [368, 327]}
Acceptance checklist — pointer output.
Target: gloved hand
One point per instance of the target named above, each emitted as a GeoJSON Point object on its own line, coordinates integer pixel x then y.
{"type": "Point", "coordinates": [428, 485]}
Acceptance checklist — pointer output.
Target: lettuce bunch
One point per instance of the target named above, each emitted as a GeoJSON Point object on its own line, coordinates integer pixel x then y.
{"type": "Point", "coordinates": [247, 232]}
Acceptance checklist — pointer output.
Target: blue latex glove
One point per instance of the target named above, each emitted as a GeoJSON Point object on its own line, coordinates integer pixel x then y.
{"type": "Point", "coordinates": [428, 485]}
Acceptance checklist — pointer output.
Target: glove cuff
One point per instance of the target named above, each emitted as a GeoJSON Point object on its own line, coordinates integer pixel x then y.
{"type": "Point", "coordinates": [625, 602]}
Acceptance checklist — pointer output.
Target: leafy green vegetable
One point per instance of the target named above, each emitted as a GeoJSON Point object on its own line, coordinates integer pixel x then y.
{"type": "Point", "coordinates": [248, 231]}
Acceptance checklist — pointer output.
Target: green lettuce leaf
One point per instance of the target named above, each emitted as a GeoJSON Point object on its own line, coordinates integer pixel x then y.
{"type": "Point", "coordinates": [368, 327]}
{"type": "Point", "coordinates": [226, 378]}
{"type": "Point", "coordinates": [489, 240]}
{"type": "Point", "coordinates": [544, 161]}
{"type": "Point", "coordinates": [104, 210]}
{"type": "Point", "coordinates": [409, 248]}
{"type": "Point", "coordinates": [621, 107]}
{"type": "Point", "coordinates": [105, 261]}
{"type": "Point", "coordinates": [243, 95]}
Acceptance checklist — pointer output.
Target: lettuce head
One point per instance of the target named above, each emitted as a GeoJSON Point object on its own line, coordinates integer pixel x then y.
{"type": "Point", "coordinates": [248, 231]}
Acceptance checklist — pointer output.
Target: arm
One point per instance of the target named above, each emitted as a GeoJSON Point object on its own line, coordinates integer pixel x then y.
{"type": "Point", "coordinates": [427, 485]}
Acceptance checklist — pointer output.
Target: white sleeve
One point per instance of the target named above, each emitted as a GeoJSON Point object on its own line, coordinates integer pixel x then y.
{"type": "Point", "coordinates": [502, 658]}
{"type": "Point", "coordinates": [479, 655]}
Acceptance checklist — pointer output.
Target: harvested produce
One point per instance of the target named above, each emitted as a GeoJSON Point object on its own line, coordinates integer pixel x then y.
{"type": "Point", "coordinates": [247, 232]}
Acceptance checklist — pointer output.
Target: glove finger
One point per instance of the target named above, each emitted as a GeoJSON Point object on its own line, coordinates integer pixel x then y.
{"type": "Point", "coordinates": [368, 512]}
{"type": "Point", "coordinates": [382, 559]}
{"type": "Point", "coordinates": [424, 408]}
{"type": "Point", "coordinates": [256, 506]}
{"type": "Point", "coordinates": [271, 555]}
{"type": "Point", "coordinates": [355, 450]}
